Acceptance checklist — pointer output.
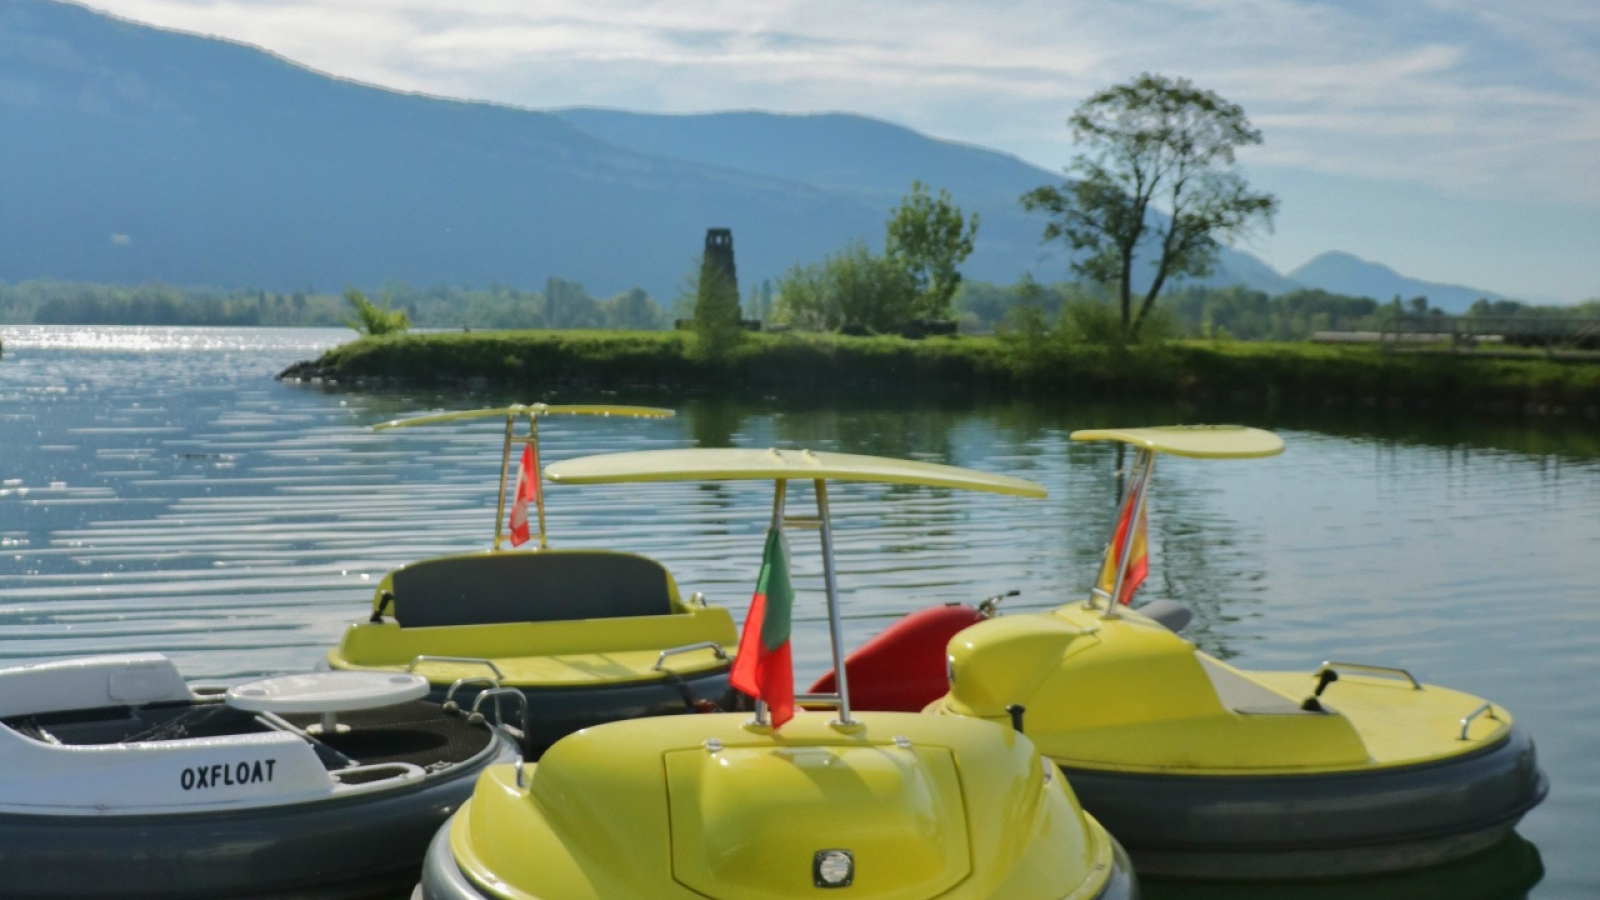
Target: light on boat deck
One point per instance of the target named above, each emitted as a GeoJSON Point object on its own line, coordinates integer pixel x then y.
{"type": "Point", "coordinates": [834, 868]}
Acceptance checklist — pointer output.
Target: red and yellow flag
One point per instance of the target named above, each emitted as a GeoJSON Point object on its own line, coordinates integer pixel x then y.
{"type": "Point", "coordinates": [1138, 556]}
{"type": "Point", "coordinates": [764, 669]}
{"type": "Point", "coordinates": [527, 491]}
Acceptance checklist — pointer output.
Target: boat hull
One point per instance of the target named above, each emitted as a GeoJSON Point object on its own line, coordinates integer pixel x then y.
{"type": "Point", "coordinates": [1278, 827]}
{"type": "Point", "coordinates": [368, 845]}
{"type": "Point", "coordinates": [442, 879]}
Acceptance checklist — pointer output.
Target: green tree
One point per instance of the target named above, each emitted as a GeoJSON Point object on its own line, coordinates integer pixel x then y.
{"type": "Point", "coordinates": [1152, 140]}
{"type": "Point", "coordinates": [927, 237]}
{"type": "Point", "coordinates": [717, 323]}
{"type": "Point", "coordinates": [633, 310]}
{"type": "Point", "coordinates": [804, 301]}
{"type": "Point", "coordinates": [566, 305]}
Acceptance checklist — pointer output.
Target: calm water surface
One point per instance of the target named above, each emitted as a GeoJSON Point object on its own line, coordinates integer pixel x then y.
{"type": "Point", "coordinates": [159, 491]}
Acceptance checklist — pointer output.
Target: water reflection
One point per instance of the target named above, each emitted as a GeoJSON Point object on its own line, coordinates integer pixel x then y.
{"type": "Point", "coordinates": [163, 493]}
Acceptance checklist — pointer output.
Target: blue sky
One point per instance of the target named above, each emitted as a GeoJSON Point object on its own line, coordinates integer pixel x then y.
{"type": "Point", "coordinates": [1453, 140]}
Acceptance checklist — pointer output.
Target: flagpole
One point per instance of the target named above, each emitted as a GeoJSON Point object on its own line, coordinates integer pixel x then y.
{"type": "Point", "coordinates": [835, 627]}
{"type": "Point", "coordinates": [780, 494]}
{"type": "Point", "coordinates": [1147, 458]}
{"type": "Point", "coordinates": [538, 485]}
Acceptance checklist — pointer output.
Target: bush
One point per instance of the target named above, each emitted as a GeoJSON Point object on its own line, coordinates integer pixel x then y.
{"type": "Point", "coordinates": [854, 290]}
{"type": "Point", "coordinates": [374, 320]}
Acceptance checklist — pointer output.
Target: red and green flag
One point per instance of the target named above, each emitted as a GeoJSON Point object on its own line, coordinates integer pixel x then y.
{"type": "Point", "coordinates": [764, 669]}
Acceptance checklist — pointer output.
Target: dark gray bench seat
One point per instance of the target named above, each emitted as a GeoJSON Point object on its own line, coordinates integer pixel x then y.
{"type": "Point", "coordinates": [548, 586]}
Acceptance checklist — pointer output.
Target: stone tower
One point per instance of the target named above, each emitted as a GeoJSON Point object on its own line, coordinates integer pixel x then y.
{"type": "Point", "coordinates": [718, 260]}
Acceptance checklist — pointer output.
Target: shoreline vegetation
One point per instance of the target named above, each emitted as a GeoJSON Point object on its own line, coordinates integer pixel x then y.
{"type": "Point", "coordinates": [832, 366]}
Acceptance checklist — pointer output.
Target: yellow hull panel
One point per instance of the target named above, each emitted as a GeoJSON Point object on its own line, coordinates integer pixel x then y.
{"type": "Point", "coordinates": [1127, 695]}
{"type": "Point", "coordinates": [689, 807]}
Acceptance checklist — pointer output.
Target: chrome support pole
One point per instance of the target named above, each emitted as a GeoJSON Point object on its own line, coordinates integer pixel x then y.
{"type": "Point", "coordinates": [835, 626]}
{"type": "Point", "coordinates": [780, 494]}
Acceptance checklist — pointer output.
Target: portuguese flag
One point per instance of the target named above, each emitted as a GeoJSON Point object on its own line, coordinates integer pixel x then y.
{"type": "Point", "coordinates": [763, 669]}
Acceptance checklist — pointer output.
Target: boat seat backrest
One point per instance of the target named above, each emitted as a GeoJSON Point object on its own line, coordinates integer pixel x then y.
{"type": "Point", "coordinates": [90, 682]}
{"type": "Point", "coordinates": [530, 587]}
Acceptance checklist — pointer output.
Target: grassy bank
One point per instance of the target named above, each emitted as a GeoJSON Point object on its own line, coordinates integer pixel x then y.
{"type": "Point", "coordinates": [825, 366]}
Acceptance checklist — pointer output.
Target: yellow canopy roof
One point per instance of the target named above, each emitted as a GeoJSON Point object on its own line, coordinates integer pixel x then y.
{"type": "Point", "coordinates": [1201, 441]}
{"type": "Point", "coordinates": [533, 409]}
{"type": "Point", "coordinates": [728, 464]}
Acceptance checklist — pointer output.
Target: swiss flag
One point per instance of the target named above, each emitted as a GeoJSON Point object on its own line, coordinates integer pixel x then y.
{"type": "Point", "coordinates": [527, 491]}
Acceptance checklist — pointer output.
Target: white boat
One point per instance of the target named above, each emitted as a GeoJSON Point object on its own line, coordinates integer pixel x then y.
{"type": "Point", "coordinates": [118, 780]}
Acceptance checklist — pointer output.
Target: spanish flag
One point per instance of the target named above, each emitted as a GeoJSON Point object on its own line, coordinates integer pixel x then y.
{"type": "Point", "coordinates": [527, 490]}
{"type": "Point", "coordinates": [764, 669]}
{"type": "Point", "coordinates": [1138, 557]}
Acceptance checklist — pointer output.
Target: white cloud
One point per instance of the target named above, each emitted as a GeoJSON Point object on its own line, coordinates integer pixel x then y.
{"type": "Point", "coordinates": [1461, 94]}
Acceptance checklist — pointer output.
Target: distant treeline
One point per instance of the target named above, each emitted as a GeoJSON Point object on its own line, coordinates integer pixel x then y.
{"type": "Point", "coordinates": [1230, 312]}
{"type": "Point", "coordinates": [562, 304]}
{"type": "Point", "coordinates": [1225, 312]}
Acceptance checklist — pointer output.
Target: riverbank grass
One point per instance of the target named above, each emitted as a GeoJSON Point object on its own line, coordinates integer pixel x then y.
{"type": "Point", "coordinates": [831, 365]}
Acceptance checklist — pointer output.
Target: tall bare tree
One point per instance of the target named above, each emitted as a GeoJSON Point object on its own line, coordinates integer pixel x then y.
{"type": "Point", "coordinates": [1154, 142]}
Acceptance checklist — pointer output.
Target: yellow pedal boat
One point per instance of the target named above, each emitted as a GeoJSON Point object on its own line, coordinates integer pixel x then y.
{"type": "Point", "coordinates": [725, 806]}
{"type": "Point", "coordinates": [1204, 770]}
{"type": "Point", "coordinates": [587, 636]}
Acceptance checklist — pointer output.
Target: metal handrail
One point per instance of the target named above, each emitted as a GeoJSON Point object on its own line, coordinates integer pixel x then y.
{"type": "Point", "coordinates": [477, 717]}
{"type": "Point", "coordinates": [713, 646]}
{"type": "Point", "coordinates": [400, 769]}
{"type": "Point", "coordinates": [450, 704]}
{"type": "Point", "coordinates": [1466, 720]}
{"type": "Point", "coordinates": [417, 661]}
{"type": "Point", "coordinates": [1328, 665]}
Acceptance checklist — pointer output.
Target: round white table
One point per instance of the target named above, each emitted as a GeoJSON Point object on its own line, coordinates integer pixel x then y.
{"type": "Point", "coordinates": [327, 693]}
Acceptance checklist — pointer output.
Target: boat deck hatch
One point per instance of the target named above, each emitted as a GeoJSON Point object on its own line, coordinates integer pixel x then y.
{"type": "Point", "coordinates": [751, 823]}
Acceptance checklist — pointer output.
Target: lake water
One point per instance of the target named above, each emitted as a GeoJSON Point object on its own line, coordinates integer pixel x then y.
{"type": "Point", "coordinates": [160, 491]}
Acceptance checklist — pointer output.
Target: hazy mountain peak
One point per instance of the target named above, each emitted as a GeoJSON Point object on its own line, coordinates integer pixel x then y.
{"type": "Point", "coordinates": [1345, 273]}
{"type": "Point", "coordinates": [132, 154]}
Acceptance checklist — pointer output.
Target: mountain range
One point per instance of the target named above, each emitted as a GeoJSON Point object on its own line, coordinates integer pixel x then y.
{"type": "Point", "coordinates": [132, 154]}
